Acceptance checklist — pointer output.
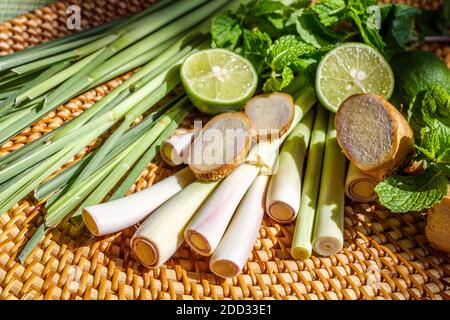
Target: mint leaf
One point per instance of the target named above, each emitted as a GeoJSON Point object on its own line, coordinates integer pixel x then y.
{"type": "Point", "coordinates": [256, 47]}
{"type": "Point", "coordinates": [329, 11]}
{"type": "Point", "coordinates": [403, 26]}
{"type": "Point", "coordinates": [277, 82]}
{"type": "Point", "coordinates": [226, 31]}
{"type": "Point", "coordinates": [412, 193]}
{"type": "Point", "coordinates": [429, 116]}
{"type": "Point", "coordinates": [286, 50]}
{"type": "Point", "coordinates": [265, 7]}
{"type": "Point", "coordinates": [311, 30]}
{"type": "Point", "coordinates": [399, 27]}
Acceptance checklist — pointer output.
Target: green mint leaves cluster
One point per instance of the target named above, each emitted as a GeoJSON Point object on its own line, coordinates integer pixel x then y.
{"type": "Point", "coordinates": [284, 40]}
{"type": "Point", "coordinates": [429, 116]}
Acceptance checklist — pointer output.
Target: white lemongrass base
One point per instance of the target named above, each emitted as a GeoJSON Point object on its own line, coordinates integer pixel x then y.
{"type": "Point", "coordinates": [159, 237]}
{"type": "Point", "coordinates": [234, 249]}
{"type": "Point", "coordinates": [114, 216]}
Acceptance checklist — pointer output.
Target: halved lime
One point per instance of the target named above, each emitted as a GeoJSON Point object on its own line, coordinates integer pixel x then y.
{"type": "Point", "coordinates": [349, 69]}
{"type": "Point", "coordinates": [218, 80]}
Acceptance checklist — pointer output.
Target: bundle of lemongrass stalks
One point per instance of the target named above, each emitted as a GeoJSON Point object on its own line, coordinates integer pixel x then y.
{"type": "Point", "coordinates": [37, 80]}
{"type": "Point", "coordinates": [220, 216]}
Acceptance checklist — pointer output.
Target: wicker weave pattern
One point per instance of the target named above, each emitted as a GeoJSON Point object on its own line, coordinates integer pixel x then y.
{"type": "Point", "coordinates": [386, 256]}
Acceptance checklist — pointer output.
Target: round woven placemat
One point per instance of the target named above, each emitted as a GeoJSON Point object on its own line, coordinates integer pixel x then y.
{"type": "Point", "coordinates": [386, 256]}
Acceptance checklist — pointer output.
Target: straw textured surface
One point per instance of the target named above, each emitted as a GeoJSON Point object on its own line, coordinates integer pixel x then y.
{"type": "Point", "coordinates": [386, 255]}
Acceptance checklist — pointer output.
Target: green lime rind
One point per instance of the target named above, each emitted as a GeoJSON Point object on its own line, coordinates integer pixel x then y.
{"type": "Point", "coordinates": [211, 73]}
{"type": "Point", "coordinates": [349, 69]}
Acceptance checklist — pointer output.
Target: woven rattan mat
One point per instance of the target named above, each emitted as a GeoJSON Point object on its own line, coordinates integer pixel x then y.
{"type": "Point", "coordinates": [386, 256]}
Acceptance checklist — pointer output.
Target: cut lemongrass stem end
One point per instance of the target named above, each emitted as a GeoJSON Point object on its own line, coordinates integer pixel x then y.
{"type": "Point", "coordinates": [114, 216]}
{"type": "Point", "coordinates": [302, 241]}
{"type": "Point", "coordinates": [283, 195]}
{"type": "Point", "coordinates": [153, 244]}
{"type": "Point", "coordinates": [360, 187]}
{"type": "Point", "coordinates": [329, 225]}
{"type": "Point", "coordinates": [174, 150]}
{"type": "Point", "coordinates": [236, 245]}
{"type": "Point", "coordinates": [208, 226]}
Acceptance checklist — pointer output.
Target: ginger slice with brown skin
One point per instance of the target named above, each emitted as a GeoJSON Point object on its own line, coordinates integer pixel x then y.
{"type": "Point", "coordinates": [373, 134]}
{"type": "Point", "coordinates": [271, 114]}
{"type": "Point", "coordinates": [222, 145]}
{"type": "Point", "coordinates": [437, 230]}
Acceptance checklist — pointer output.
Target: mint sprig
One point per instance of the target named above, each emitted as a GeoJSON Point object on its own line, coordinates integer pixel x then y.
{"type": "Point", "coordinates": [402, 194]}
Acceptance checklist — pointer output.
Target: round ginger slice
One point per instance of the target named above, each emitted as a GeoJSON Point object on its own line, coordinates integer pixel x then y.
{"type": "Point", "coordinates": [373, 134]}
{"type": "Point", "coordinates": [271, 114]}
{"type": "Point", "coordinates": [222, 145]}
{"type": "Point", "coordinates": [438, 226]}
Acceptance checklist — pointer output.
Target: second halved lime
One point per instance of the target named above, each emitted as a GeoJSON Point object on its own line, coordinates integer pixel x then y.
{"type": "Point", "coordinates": [218, 80]}
{"type": "Point", "coordinates": [349, 69]}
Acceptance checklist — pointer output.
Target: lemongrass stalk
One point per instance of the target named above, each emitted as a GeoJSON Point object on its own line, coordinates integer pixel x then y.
{"type": "Point", "coordinates": [59, 181]}
{"type": "Point", "coordinates": [101, 124]}
{"type": "Point", "coordinates": [10, 102]}
{"type": "Point", "coordinates": [207, 228]}
{"type": "Point", "coordinates": [360, 187]}
{"type": "Point", "coordinates": [68, 201]}
{"type": "Point", "coordinates": [283, 195]}
{"type": "Point", "coordinates": [139, 167]}
{"type": "Point", "coordinates": [135, 82]}
{"type": "Point", "coordinates": [30, 181]}
{"type": "Point", "coordinates": [109, 60]}
{"type": "Point", "coordinates": [74, 54]}
{"type": "Point", "coordinates": [174, 28]}
{"type": "Point", "coordinates": [76, 40]}
{"type": "Point", "coordinates": [30, 147]}
{"type": "Point", "coordinates": [61, 207]}
{"type": "Point", "coordinates": [159, 237]}
{"type": "Point", "coordinates": [142, 107]}
{"type": "Point", "coordinates": [175, 115]}
{"type": "Point", "coordinates": [117, 215]}
{"type": "Point", "coordinates": [135, 63]}
{"type": "Point", "coordinates": [236, 245]}
{"type": "Point", "coordinates": [174, 150]}
{"type": "Point", "coordinates": [43, 153]}
{"type": "Point", "coordinates": [47, 189]}
{"type": "Point", "coordinates": [59, 78]}
{"type": "Point", "coordinates": [329, 225]}
{"type": "Point", "coordinates": [302, 241]}
{"type": "Point", "coordinates": [25, 56]}
{"type": "Point", "coordinates": [111, 116]}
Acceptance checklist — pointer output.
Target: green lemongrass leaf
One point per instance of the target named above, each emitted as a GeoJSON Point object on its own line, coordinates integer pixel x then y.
{"type": "Point", "coordinates": [78, 39]}
{"type": "Point", "coordinates": [76, 194]}
{"type": "Point", "coordinates": [47, 189]}
{"type": "Point", "coordinates": [127, 162]}
{"type": "Point", "coordinates": [74, 54]}
{"type": "Point", "coordinates": [37, 237]}
{"type": "Point", "coordinates": [30, 181]}
{"type": "Point", "coordinates": [140, 166]}
{"type": "Point", "coordinates": [58, 182]}
{"type": "Point", "coordinates": [57, 79]}
{"type": "Point", "coordinates": [412, 193]}
{"type": "Point", "coordinates": [10, 103]}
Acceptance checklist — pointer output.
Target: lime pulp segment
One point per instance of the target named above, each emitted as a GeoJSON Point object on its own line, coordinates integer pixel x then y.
{"type": "Point", "coordinates": [350, 69]}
